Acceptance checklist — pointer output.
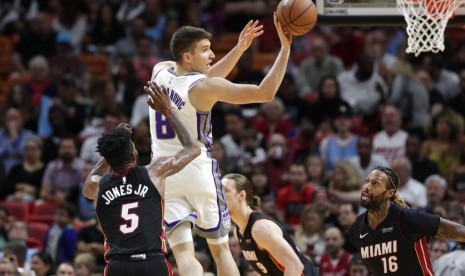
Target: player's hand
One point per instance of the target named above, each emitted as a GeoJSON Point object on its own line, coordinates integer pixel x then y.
{"type": "Point", "coordinates": [250, 31]}
{"type": "Point", "coordinates": [286, 39]}
{"type": "Point", "coordinates": [158, 98]}
{"type": "Point", "coordinates": [126, 127]}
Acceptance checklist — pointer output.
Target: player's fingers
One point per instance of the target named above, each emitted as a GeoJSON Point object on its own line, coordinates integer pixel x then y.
{"type": "Point", "coordinates": [258, 28]}
{"type": "Point", "coordinates": [258, 34]}
{"type": "Point", "coordinates": [255, 23]}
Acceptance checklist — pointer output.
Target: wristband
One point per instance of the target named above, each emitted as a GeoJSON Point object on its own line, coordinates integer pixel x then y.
{"type": "Point", "coordinates": [168, 112]}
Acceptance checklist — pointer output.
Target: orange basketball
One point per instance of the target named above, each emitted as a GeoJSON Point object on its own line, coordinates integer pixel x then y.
{"type": "Point", "coordinates": [297, 17]}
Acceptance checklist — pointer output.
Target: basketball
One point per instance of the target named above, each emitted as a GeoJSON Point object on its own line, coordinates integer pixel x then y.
{"type": "Point", "coordinates": [297, 17]}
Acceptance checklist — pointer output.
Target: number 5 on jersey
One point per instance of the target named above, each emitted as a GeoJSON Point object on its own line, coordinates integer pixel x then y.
{"type": "Point", "coordinates": [131, 218]}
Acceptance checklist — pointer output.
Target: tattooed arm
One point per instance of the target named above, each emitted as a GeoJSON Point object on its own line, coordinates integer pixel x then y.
{"type": "Point", "coordinates": [449, 230]}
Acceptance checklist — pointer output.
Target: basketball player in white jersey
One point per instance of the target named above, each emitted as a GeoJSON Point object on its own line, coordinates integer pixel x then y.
{"type": "Point", "coordinates": [195, 195]}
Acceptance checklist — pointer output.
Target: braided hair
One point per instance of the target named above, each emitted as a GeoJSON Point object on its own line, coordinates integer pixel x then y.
{"type": "Point", "coordinates": [393, 183]}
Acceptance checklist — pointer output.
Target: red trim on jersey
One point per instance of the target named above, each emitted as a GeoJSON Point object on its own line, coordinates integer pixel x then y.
{"type": "Point", "coordinates": [162, 233]}
{"type": "Point", "coordinates": [280, 266]}
{"type": "Point", "coordinates": [421, 248]}
{"type": "Point", "coordinates": [105, 270]}
{"type": "Point", "coordinates": [170, 269]}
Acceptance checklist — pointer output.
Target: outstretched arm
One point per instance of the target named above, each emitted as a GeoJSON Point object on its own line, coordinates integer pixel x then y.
{"type": "Point", "coordinates": [224, 66]}
{"type": "Point", "coordinates": [90, 189]}
{"type": "Point", "coordinates": [160, 101]}
{"type": "Point", "coordinates": [269, 236]}
{"type": "Point", "coordinates": [449, 230]}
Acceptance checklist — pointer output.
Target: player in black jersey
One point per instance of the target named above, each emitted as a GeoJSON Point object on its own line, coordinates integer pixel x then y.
{"type": "Point", "coordinates": [129, 200]}
{"type": "Point", "coordinates": [264, 242]}
{"type": "Point", "coordinates": [392, 238]}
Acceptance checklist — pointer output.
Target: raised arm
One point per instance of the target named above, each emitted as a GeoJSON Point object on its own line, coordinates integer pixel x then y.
{"type": "Point", "coordinates": [269, 236]}
{"type": "Point", "coordinates": [449, 230]}
{"type": "Point", "coordinates": [160, 101]}
{"type": "Point", "coordinates": [90, 189]}
{"type": "Point", "coordinates": [206, 93]}
{"type": "Point", "coordinates": [224, 66]}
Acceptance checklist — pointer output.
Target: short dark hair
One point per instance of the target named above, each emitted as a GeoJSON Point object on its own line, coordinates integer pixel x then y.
{"type": "Point", "coordinates": [184, 39]}
{"type": "Point", "coordinates": [69, 208]}
{"type": "Point", "coordinates": [115, 146]}
{"type": "Point", "coordinates": [18, 249]}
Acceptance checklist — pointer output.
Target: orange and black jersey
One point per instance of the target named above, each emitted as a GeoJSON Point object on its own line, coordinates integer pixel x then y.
{"type": "Point", "coordinates": [261, 260]}
{"type": "Point", "coordinates": [398, 245]}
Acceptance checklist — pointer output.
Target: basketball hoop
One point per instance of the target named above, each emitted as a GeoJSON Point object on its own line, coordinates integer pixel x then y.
{"type": "Point", "coordinates": [426, 22]}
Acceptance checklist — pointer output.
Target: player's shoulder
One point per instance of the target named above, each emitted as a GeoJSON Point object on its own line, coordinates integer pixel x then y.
{"type": "Point", "coordinates": [162, 65]}
{"type": "Point", "coordinates": [264, 227]}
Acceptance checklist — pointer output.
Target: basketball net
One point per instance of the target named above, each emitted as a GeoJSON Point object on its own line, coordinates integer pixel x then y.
{"type": "Point", "coordinates": [426, 23]}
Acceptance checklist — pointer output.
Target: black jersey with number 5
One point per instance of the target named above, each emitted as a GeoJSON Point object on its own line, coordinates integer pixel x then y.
{"type": "Point", "coordinates": [130, 211]}
{"type": "Point", "coordinates": [398, 245]}
{"type": "Point", "coordinates": [261, 260]}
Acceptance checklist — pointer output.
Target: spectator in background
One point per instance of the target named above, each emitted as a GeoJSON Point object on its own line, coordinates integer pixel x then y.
{"type": "Point", "coordinates": [88, 148]}
{"type": "Point", "coordinates": [252, 153]}
{"type": "Point", "coordinates": [16, 251]}
{"type": "Point", "coordinates": [56, 116]}
{"type": "Point", "coordinates": [41, 84]}
{"type": "Point", "coordinates": [66, 61]}
{"type": "Point", "coordinates": [84, 264]}
{"type": "Point", "coordinates": [13, 139]}
{"type": "Point", "coordinates": [60, 240]}
{"type": "Point", "coordinates": [155, 19]}
{"type": "Point", "coordinates": [456, 178]}
{"type": "Point", "coordinates": [358, 267]}
{"type": "Point", "coordinates": [19, 97]}
{"type": "Point", "coordinates": [65, 269]}
{"type": "Point", "coordinates": [142, 142]}
{"type": "Point", "coordinates": [70, 20]}
{"type": "Point", "coordinates": [272, 120]}
{"type": "Point", "coordinates": [130, 10]}
{"type": "Point", "coordinates": [363, 88]}
{"type": "Point", "coordinates": [85, 207]}
{"type": "Point", "coordinates": [335, 260]}
{"type": "Point", "coordinates": [314, 68]}
{"type": "Point", "coordinates": [127, 86]}
{"type": "Point", "coordinates": [127, 46]}
{"type": "Point", "coordinates": [445, 140]}
{"type": "Point", "coordinates": [326, 106]}
{"type": "Point", "coordinates": [292, 199]}
{"type": "Point", "coordinates": [343, 144]}
{"type": "Point", "coordinates": [277, 164]}
{"type": "Point", "coordinates": [436, 190]}
{"type": "Point", "coordinates": [38, 38]}
{"type": "Point", "coordinates": [62, 174]}
{"type": "Point", "coordinates": [106, 30]}
{"type": "Point", "coordinates": [238, 13]}
{"type": "Point", "coordinates": [316, 170]}
{"type": "Point", "coordinates": [344, 179]}
{"type": "Point", "coordinates": [309, 236]}
{"type": "Point", "coordinates": [24, 180]}
{"type": "Point", "coordinates": [437, 249]}
{"type": "Point", "coordinates": [366, 160]}
{"type": "Point", "coordinates": [422, 166]}
{"type": "Point", "coordinates": [220, 155]}
{"type": "Point", "coordinates": [410, 190]}
{"type": "Point", "coordinates": [8, 267]}
{"type": "Point", "coordinates": [4, 222]}
{"type": "Point", "coordinates": [235, 125]}
{"type": "Point", "coordinates": [326, 206]}
{"type": "Point", "coordinates": [346, 215]}
{"type": "Point", "coordinates": [297, 108]}
{"type": "Point", "coordinates": [144, 61]}
{"type": "Point", "coordinates": [260, 183]}
{"type": "Point", "coordinates": [390, 141]}
{"type": "Point", "coordinates": [42, 264]}
{"type": "Point", "coordinates": [90, 240]}
{"type": "Point", "coordinates": [18, 232]}
{"type": "Point", "coordinates": [105, 100]}
{"type": "Point", "coordinates": [446, 82]}
{"type": "Point", "coordinates": [458, 102]}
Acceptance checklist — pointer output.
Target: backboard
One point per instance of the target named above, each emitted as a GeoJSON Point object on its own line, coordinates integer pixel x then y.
{"type": "Point", "coordinates": [368, 13]}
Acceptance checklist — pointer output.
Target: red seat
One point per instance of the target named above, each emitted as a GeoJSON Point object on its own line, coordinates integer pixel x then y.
{"type": "Point", "coordinates": [37, 230]}
{"type": "Point", "coordinates": [17, 210]}
{"type": "Point", "coordinates": [43, 212]}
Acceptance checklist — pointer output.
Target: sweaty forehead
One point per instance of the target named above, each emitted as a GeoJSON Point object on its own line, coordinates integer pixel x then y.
{"type": "Point", "coordinates": [378, 175]}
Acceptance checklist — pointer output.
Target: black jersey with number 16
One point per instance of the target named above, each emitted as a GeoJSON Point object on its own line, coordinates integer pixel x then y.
{"type": "Point", "coordinates": [398, 244]}
{"type": "Point", "coordinates": [123, 200]}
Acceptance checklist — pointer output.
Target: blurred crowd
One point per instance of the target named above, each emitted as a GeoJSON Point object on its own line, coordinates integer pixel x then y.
{"type": "Point", "coordinates": [351, 100]}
